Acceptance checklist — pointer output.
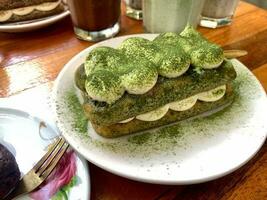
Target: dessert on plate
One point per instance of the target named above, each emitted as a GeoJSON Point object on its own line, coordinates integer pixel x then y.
{"type": "Point", "coordinates": [145, 84]}
{"type": "Point", "coordinates": [9, 171]}
{"type": "Point", "coordinates": [17, 10]}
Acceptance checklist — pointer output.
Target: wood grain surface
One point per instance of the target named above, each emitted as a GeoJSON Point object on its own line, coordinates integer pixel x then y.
{"type": "Point", "coordinates": [31, 61]}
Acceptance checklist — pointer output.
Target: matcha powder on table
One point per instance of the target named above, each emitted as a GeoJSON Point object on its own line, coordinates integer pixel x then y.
{"type": "Point", "coordinates": [79, 120]}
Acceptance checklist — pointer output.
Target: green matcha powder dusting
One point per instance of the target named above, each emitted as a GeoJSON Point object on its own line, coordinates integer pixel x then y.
{"type": "Point", "coordinates": [79, 120]}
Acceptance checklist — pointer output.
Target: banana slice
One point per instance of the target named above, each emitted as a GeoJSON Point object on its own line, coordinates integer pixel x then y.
{"type": "Point", "coordinates": [184, 104]}
{"type": "Point", "coordinates": [126, 120]}
{"type": "Point", "coordinates": [154, 114]}
{"type": "Point", "coordinates": [23, 11]}
{"type": "Point", "coordinates": [47, 6]}
{"type": "Point", "coordinates": [213, 95]}
{"type": "Point", "coordinates": [5, 15]}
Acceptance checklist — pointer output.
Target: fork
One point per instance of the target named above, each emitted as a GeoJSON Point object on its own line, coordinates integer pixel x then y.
{"type": "Point", "coordinates": [43, 168]}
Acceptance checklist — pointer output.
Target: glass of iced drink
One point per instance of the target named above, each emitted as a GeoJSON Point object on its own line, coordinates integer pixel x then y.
{"type": "Point", "coordinates": [95, 20]}
{"type": "Point", "coordinates": [170, 15]}
{"type": "Point", "coordinates": [134, 9]}
{"type": "Point", "coordinates": [217, 13]}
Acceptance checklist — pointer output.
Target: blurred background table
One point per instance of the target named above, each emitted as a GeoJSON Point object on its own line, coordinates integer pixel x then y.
{"type": "Point", "coordinates": [31, 61]}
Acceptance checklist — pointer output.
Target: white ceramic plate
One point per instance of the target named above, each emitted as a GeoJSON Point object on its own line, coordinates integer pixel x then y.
{"type": "Point", "coordinates": [33, 24]}
{"type": "Point", "coordinates": [190, 152]}
{"type": "Point", "coordinates": [20, 131]}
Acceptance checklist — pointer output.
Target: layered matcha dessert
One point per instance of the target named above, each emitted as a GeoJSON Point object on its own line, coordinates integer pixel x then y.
{"type": "Point", "coordinates": [145, 84]}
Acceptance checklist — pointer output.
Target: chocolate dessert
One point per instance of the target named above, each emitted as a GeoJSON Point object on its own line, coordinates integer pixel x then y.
{"type": "Point", "coordinates": [9, 171]}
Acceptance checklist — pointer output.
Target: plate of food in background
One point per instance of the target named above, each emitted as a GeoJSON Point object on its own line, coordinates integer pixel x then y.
{"type": "Point", "coordinates": [24, 139]}
{"type": "Point", "coordinates": [29, 15]}
{"type": "Point", "coordinates": [165, 109]}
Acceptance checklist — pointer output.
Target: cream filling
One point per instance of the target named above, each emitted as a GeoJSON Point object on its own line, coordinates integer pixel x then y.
{"type": "Point", "coordinates": [127, 120]}
{"type": "Point", "coordinates": [154, 114]}
{"type": "Point", "coordinates": [47, 6]}
{"type": "Point", "coordinates": [212, 66]}
{"type": "Point", "coordinates": [183, 105]}
{"type": "Point", "coordinates": [212, 95]}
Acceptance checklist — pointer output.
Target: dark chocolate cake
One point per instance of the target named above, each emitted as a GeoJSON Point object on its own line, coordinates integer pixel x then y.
{"type": "Point", "coordinates": [9, 171]}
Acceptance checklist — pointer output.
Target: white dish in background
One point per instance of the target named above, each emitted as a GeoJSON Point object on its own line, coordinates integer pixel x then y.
{"type": "Point", "coordinates": [190, 152]}
{"type": "Point", "coordinates": [32, 24]}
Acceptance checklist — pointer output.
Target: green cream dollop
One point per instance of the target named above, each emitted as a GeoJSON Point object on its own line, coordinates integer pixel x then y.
{"type": "Point", "coordinates": [170, 61]}
{"type": "Point", "coordinates": [104, 86]}
{"type": "Point", "coordinates": [140, 80]}
{"type": "Point", "coordinates": [110, 73]}
{"type": "Point", "coordinates": [203, 53]}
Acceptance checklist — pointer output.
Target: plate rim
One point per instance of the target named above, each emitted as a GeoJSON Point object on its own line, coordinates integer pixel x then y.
{"type": "Point", "coordinates": [74, 144]}
{"type": "Point", "coordinates": [36, 24]}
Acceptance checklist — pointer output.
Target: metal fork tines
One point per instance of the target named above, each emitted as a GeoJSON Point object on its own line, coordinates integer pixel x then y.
{"type": "Point", "coordinates": [43, 168]}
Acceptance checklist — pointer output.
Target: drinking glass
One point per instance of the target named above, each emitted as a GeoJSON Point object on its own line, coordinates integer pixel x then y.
{"type": "Point", "coordinates": [170, 15]}
{"type": "Point", "coordinates": [134, 9]}
{"type": "Point", "coordinates": [217, 13]}
{"type": "Point", "coordinates": [95, 20]}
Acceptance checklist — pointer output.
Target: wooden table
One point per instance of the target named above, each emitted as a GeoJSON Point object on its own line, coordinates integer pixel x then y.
{"type": "Point", "coordinates": [32, 61]}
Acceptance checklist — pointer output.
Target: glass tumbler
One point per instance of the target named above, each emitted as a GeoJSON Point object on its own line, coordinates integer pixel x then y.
{"type": "Point", "coordinates": [217, 13]}
{"type": "Point", "coordinates": [134, 9]}
{"type": "Point", "coordinates": [170, 15]}
{"type": "Point", "coordinates": [95, 20]}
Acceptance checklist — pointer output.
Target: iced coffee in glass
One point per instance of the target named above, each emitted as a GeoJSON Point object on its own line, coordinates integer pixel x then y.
{"type": "Point", "coordinates": [95, 20]}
